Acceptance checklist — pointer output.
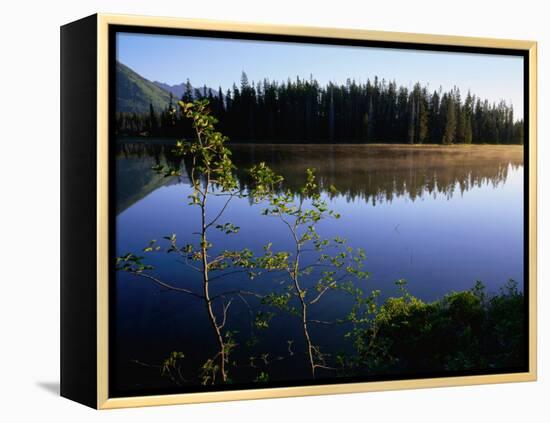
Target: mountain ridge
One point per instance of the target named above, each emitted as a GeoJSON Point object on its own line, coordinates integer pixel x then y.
{"type": "Point", "coordinates": [134, 93]}
{"type": "Point", "coordinates": [178, 90]}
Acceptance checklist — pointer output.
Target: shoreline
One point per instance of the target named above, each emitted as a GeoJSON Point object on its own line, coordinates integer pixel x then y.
{"type": "Point", "coordinates": [163, 140]}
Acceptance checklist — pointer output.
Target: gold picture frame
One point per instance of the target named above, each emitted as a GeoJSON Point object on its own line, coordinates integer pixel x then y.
{"type": "Point", "coordinates": [102, 24]}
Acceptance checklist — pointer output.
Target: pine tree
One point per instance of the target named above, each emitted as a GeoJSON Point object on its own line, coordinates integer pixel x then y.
{"type": "Point", "coordinates": [423, 117]}
{"type": "Point", "coordinates": [460, 119]}
{"type": "Point", "coordinates": [468, 111]}
{"type": "Point", "coordinates": [435, 118]}
{"type": "Point", "coordinates": [412, 116]}
{"type": "Point", "coordinates": [188, 92]}
{"type": "Point", "coordinates": [153, 121]}
{"type": "Point", "coordinates": [450, 120]}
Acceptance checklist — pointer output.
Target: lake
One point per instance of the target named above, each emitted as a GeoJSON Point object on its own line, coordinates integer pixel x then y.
{"type": "Point", "coordinates": [441, 218]}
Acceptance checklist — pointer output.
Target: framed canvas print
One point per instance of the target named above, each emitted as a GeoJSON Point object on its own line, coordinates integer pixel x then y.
{"type": "Point", "coordinates": [253, 211]}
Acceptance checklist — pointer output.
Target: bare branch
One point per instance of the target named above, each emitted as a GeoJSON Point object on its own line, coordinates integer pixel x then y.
{"type": "Point", "coordinates": [322, 366]}
{"type": "Point", "coordinates": [141, 363]}
{"type": "Point", "coordinates": [224, 318]}
{"type": "Point", "coordinates": [227, 274]}
{"type": "Point", "coordinates": [236, 292]}
{"type": "Point", "coordinates": [318, 297]}
{"type": "Point", "coordinates": [220, 213]}
{"type": "Point", "coordinates": [186, 263]}
{"type": "Point", "coordinates": [325, 322]}
{"type": "Point", "coordinates": [165, 285]}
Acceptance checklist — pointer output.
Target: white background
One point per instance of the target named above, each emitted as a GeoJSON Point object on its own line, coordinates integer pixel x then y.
{"type": "Point", "coordinates": [29, 243]}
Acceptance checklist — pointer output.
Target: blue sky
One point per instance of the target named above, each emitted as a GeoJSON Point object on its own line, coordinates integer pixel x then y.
{"type": "Point", "coordinates": [219, 62]}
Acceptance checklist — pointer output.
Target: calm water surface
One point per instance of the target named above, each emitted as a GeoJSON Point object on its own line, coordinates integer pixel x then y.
{"type": "Point", "coordinates": [440, 218]}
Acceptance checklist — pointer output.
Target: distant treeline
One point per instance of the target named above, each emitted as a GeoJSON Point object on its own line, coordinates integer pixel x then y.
{"type": "Point", "coordinates": [372, 112]}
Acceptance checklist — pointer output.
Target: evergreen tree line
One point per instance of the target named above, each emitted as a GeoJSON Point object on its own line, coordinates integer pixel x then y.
{"type": "Point", "coordinates": [303, 111]}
